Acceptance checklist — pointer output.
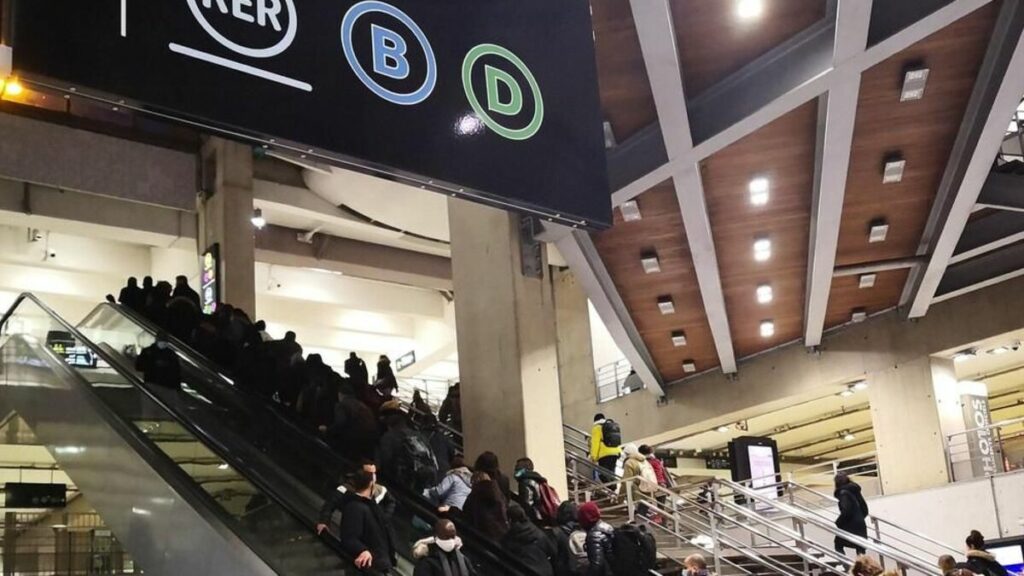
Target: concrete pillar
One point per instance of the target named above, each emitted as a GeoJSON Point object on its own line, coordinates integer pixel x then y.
{"type": "Point", "coordinates": [575, 348]}
{"type": "Point", "coordinates": [225, 213]}
{"type": "Point", "coordinates": [508, 358]}
{"type": "Point", "coordinates": [908, 426]}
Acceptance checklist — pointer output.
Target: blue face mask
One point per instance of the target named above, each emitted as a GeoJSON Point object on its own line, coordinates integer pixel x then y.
{"type": "Point", "coordinates": [161, 344]}
{"type": "Point", "coordinates": [519, 473]}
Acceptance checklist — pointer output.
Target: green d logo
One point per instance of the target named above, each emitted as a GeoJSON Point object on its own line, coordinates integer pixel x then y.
{"type": "Point", "coordinates": [499, 83]}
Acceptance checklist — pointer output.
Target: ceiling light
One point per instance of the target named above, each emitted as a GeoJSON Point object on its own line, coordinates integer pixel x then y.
{"type": "Point", "coordinates": [666, 306]}
{"type": "Point", "coordinates": [258, 220]}
{"type": "Point", "coordinates": [650, 263]}
{"type": "Point", "coordinates": [965, 355]}
{"type": "Point", "coordinates": [848, 436]}
{"type": "Point", "coordinates": [689, 366]}
{"type": "Point", "coordinates": [759, 191]}
{"type": "Point", "coordinates": [630, 211]}
{"type": "Point", "coordinates": [999, 350]}
{"type": "Point", "coordinates": [867, 280]}
{"type": "Point", "coordinates": [764, 294]}
{"type": "Point", "coordinates": [846, 393]}
{"type": "Point", "coordinates": [748, 9]}
{"type": "Point", "coordinates": [222, 467]}
{"type": "Point", "coordinates": [878, 231]}
{"type": "Point", "coordinates": [914, 80]}
{"type": "Point", "coordinates": [723, 429]}
{"type": "Point", "coordinates": [762, 249]}
{"type": "Point", "coordinates": [859, 315]}
{"type": "Point", "coordinates": [678, 338]}
{"type": "Point", "coordinates": [767, 329]}
{"type": "Point", "coordinates": [892, 172]}
{"type": "Point", "coordinates": [859, 386]}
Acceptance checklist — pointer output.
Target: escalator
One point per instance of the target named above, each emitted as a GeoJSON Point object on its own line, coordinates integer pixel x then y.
{"type": "Point", "coordinates": [181, 500]}
{"type": "Point", "coordinates": [285, 453]}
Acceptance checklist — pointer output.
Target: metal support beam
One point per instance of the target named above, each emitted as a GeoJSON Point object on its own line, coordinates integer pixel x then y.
{"type": "Point", "coordinates": [985, 270]}
{"type": "Point", "coordinates": [798, 88]}
{"type": "Point", "coordinates": [984, 235]}
{"type": "Point", "coordinates": [580, 253]}
{"type": "Point", "coordinates": [1003, 192]}
{"type": "Point", "coordinates": [996, 95]}
{"type": "Point", "coordinates": [852, 22]}
{"type": "Point", "coordinates": [661, 55]}
{"type": "Point", "coordinates": [876, 267]}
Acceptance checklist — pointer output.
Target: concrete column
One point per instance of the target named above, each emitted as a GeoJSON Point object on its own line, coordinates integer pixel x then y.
{"type": "Point", "coordinates": [508, 358]}
{"type": "Point", "coordinates": [225, 213]}
{"type": "Point", "coordinates": [575, 348]}
{"type": "Point", "coordinates": [908, 423]}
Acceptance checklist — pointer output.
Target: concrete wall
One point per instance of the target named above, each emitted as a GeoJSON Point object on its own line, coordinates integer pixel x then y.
{"type": "Point", "coordinates": [792, 374]}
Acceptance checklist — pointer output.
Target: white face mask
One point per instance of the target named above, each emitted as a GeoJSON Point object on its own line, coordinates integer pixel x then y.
{"type": "Point", "coordinates": [445, 545]}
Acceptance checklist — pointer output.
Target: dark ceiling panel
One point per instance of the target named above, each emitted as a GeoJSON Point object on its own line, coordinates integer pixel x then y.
{"type": "Point", "coordinates": [626, 98]}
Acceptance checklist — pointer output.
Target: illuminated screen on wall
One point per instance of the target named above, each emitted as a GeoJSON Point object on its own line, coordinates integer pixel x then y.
{"type": "Point", "coordinates": [1010, 557]}
{"type": "Point", "coordinates": [209, 272]}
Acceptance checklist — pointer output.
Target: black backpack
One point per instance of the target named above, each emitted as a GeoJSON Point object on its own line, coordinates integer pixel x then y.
{"type": "Point", "coordinates": [416, 465]}
{"type": "Point", "coordinates": [634, 551]}
{"type": "Point", "coordinates": [611, 434]}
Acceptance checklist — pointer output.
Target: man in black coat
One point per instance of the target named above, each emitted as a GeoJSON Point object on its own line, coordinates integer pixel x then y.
{"type": "Point", "coordinates": [132, 296]}
{"type": "Point", "coordinates": [853, 513]}
{"type": "Point", "coordinates": [183, 290]}
{"type": "Point", "coordinates": [529, 543]}
{"type": "Point", "coordinates": [356, 369]}
{"type": "Point", "coordinates": [441, 555]}
{"type": "Point", "coordinates": [159, 364]}
{"type": "Point", "coordinates": [365, 534]}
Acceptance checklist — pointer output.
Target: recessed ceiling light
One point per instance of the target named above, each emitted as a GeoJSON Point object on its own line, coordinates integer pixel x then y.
{"type": "Point", "coordinates": [258, 220]}
{"type": "Point", "coordinates": [723, 429]}
{"type": "Point", "coordinates": [892, 171]}
{"type": "Point", "coordinates": [867, 280]}
{"type": "Point", "coordinates": [666, 306]}
{"type": "Point", "coordinates": [767, 329]}
{"type": "Point", "coordinates": [878, 231]}
{"type": "Point", "coordinates": [965, 355]}
{"type": "Point", "coordinates": [999, 350]}
{"type": "Point", "coordinates": [630, 211]}
{"type": "Point", "coordinates": [650, 262]}
{"type": "Point", "coordinates": [678, 338]}
{"type": "Point", "coordinates": [846, 393]}
{"type": "Point", "coordinates": [914, 80]}
{"type": "Point", "coordinates": [762, 249]}
{"type": "Point", "coordinates": [748, 9]}
{"type": "Point", "coordinates": [689, 366]}
{"type": "Point", "coordinates": [765, 294]}
{"type": "Point", "coordinates": [848, 436]}
{"type": "Point", "coordinates": [759, 192]}
{"type": "Point", "coordinates": [859, 315]}
{"type": "Point", "coordinates": [859, 386]}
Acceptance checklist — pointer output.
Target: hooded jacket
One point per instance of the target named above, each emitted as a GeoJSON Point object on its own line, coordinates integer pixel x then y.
{"type": "Point", "coordinates": [365, 529]}
{"type": "Point", "coordinates": [432, 561]}
{"type": "Point", "coordinates": [984, 564]}
{"type": "Point", "coordinates": [529, 493]}
{"type": "Point", "coordinates": [633, 467]}
{"type": "Point", "coordinates": [600, 538]}
{"type": "Point", "coordinates": [853, 509]}
{"type": "Point", "coordinates": [532, 546]}
{"type": "Point", "coordinates": [597, 448]}
{"type": "Point", "coordinates": [453, 490]}
{"type": "Point", "coordinates": [337, 499]}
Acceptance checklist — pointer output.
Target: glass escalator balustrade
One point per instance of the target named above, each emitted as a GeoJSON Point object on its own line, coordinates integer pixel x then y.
{"type": "Point", "coordinates": [275, 533]}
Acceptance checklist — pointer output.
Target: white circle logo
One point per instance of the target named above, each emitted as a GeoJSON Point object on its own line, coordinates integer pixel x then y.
{"type": "Point", "coordinates": [259, 12]}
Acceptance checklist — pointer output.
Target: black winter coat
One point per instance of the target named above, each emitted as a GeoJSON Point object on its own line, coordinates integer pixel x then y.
{"type": "Point", "coordinates": [486, 511]}
{"type": "Point", "coordinates": [532, 546]}
{"type": "Point", "coordinates": [160, 367]}
{"type": "Point", "coordinates": [984, 564]}
{"type": "Point", "coordinates": [853, 510]}
{"type": "Point", "coordinates": [364, 528]}
{"type": "Point", "coordinates": [529, 493]}
{"type": "Point", "coordinates": [431, 565]}
{"type": "Point", "coordinates": [599, 549]}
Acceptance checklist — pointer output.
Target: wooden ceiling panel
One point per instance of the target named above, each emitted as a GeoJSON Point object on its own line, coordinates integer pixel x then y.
{"type": "Point", "coordinates": [922, 131]}
{"type": "Point", "coordinates": [847, 295]}
{"type": "Point", "coordinates": [714, 42]}
{"type": "Point", "coordinates": [626, 99]}
{"type": "Point", "coordinates": [783, 152]}
{"type": "Point", "coordinates": [660, 230]}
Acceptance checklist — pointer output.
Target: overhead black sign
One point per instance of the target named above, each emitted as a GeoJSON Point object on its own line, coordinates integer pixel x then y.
{"type": "Point", "coordinates": [24, 495]}
{"type": "Point", "coordinates": [492, 99]}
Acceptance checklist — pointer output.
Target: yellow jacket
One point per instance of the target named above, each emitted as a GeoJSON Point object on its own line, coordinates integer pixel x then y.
{"type": "Point", "coordinates": [597, 448]}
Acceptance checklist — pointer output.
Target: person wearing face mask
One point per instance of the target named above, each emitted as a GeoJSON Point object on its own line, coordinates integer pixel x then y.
{"type": "Point", "coordinates": [441, 555]}
{"type": "Point", "coordinates": [159, 364]}
{"type": "Point", "coordinates": [695, 565]}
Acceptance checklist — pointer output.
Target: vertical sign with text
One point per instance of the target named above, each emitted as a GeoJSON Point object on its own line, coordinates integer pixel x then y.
{"type": "Point", "coordinates": [982, 445]}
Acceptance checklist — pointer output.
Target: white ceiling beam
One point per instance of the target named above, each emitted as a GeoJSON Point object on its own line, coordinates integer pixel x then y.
{"type": "Point", "coordinates": [802, 90]}
{"type": "Point", "coordinates": [996, 97]}
{"type": "Point", "coordinates": [661, 56]}
{"type": "Point", "coordinates": [579, 252]}
{"type": "Point", "coordinates": [852, 22]}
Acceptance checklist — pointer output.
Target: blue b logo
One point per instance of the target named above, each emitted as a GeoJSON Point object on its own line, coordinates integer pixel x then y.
{"type": "Point", "coordinates": [389, 49]}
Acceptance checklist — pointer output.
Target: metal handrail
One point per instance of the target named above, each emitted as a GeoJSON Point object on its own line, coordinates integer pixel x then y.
{"type": "Point", "coordinates": [1000, 424]}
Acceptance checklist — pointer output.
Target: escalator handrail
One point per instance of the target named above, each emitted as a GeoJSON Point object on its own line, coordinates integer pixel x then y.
{"type": "Point", "coordinates": [415, 502]}
{"type": "Point", "coordinates": [167, 464]}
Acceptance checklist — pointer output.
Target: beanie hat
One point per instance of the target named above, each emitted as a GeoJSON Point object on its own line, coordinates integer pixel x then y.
{"type": "Point", "coordinates": [589, 515]}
